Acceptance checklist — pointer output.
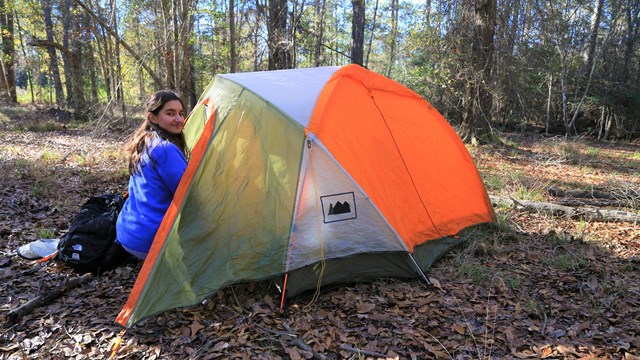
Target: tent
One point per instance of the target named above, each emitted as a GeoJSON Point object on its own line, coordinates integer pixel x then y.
{"type": "Point", "coordinates": [310, 177]}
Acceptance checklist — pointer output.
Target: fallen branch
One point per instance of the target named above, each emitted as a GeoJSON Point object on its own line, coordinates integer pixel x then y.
{"type": "Point", "coordinates": [300, 344]}
{"type": "Point", "coordinates": [362, 352]}
{"type": "Point", "coordinates": [594, 194]}
{"type": "Point", "coordinates": [582, 213]}
{"type": "Point", "coordinates": [16, 314]}
{"type": "Point", "coordinates": [595, 202]}
{"type": "Point", "coordinates": [627, 198]}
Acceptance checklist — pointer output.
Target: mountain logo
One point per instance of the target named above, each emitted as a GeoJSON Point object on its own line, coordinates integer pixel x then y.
{"type": "Point", "coordinates": [338, 207]}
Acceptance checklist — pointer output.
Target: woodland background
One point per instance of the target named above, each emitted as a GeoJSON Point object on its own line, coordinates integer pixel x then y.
{"type": "Point", "coordinates": [550, 89]}
{"type": "Point", "coordinates": [554, 66]}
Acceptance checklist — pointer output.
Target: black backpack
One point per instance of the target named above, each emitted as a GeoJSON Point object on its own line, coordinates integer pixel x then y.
{"type": "Point", "coordinates": [90, 244]}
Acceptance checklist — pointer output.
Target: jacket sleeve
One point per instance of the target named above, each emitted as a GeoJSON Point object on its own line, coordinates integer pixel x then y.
{"type": "Point", "coordinates": [170, 164]}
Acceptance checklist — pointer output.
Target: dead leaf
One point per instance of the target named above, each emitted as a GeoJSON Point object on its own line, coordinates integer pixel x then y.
{"type": "Point", "coordinates": [195, 327]}
{"type": "Point", "coordinates": [219, 346]}
{"type": "Point", "coordinates": [364, 308]}
{"type": "Point", "coordinates": [459, 329]}
{"type": "Point", "coordinates": [435, 282]}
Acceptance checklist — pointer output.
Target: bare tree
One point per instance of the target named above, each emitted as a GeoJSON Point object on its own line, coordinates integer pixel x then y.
{"type": "Point", "coordinates": [476, 121]}
{"type": "Point", "coordinates": [394, 35]}
{"type": "Point", "coordinates": [279, 49]}
{"type": "Point", "coordinates": [7, 59]}
{"type": "Point", "coordinates": [373, 28]}
{"type": "Point", "coordinates": [54, 69]}
{"type": "Point", "coordinates": [320, 9]}
{"type": "Point", "coordinates": [232, 36]}
{"type": "Point", "coordinates": [357, 32]}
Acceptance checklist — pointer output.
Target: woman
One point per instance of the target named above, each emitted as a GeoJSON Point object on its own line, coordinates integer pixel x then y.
{"type": "Point", "coordinates": [157, 160]}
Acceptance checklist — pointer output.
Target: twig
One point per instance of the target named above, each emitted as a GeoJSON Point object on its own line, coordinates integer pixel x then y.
{"type": "Point", "coordinates": [544, 325]}
{"type": "Point", "coordinates": [363, 352]}
{"type": "Point", "coordinates": [300, 344]}
{"type": "Point", "coordinates": [283, 333]}
{"type": "Point", "coordinates": [42, 299]}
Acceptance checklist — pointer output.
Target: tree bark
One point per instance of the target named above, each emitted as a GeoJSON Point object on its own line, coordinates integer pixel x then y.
{"type": "Point", "coordinates": [357, 32]}
{"type": "Point", "coordinates": [279, 51]}
{"type": "Point", "coordinates": [477, 118]}
{"type": "Point", "coordinates": [319, 34]}
{"type": "Point", "coordinates": [24, 54]}
{"type": "Point", "coordinates": [15, 315]}
{"type": "Point", "coordinates": [590, 63]}
{"type": "Point", "coordinates": [373, 28]}
{"type": "Point", "coordinates": [632, 13]}
{"type": "Point", "coordinates": [53, 56]}
{"type": "Point", "coordinates": [66, 63]}
{"type": "Point", "coordinates": [394, 36]}
{"type": "Point", "coordinates": [8, 51]}
{"type": "Point", "coordinates": [232, 37]}
{"type": "Point", "coordinates": [583, 213]}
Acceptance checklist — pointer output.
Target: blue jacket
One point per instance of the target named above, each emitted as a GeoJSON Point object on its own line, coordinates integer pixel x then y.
{"type": "Point", "coordinates": [150, 193]}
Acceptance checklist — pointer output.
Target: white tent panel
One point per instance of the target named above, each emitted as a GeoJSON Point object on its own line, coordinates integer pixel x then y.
{"type": "Point", "coordinates": [292, 91]}
{"type": "Point", "coordinates": [333, 217]}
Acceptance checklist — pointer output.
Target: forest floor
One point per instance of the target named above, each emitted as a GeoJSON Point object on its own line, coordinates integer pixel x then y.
{"type": "Point", "coordinates": [531, 286]}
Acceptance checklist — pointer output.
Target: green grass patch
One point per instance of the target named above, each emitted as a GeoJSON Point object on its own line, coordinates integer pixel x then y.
{"type": "Point", "coordinates": [50, 156]}
{"type": "Point", "coordinates": [477, 273]}
{"type": "Point", "coordinates": [592, 151]}
{"type": "Point", "coordinates": [46, 233]}
{"type": "Point", "coordinates": [513, 281]}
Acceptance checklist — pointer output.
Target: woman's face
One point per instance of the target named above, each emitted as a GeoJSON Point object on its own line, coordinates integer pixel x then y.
{"type": "Point", "coordinates": [170, 117]}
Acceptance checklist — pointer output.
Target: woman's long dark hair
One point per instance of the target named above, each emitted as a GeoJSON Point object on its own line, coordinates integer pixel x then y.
{"type": "Point", "coordinates": [147, 130]}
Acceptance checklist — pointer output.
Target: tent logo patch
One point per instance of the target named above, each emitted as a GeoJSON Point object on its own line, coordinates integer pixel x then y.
{"type": "Point", "coordinates": [338, 207]}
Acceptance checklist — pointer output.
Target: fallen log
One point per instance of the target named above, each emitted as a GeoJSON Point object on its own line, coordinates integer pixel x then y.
{"type": "Point", "coordinates": [626, 198]}
{"type": "Point", "coordinates": [582, 213]}
{"type": "Point", "coordinates": [16, 314]}
{"type": "Point", "coordinates": [597, 202]}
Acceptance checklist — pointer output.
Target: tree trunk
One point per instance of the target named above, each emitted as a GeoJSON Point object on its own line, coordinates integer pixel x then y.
{"type": "Point", "coordinates": [8, 51]}
{"type": "Point", "coordinates": [394, 36]}
{"type": "Point", "coordinates": [632, 13]}
{"type": "Point", "coordinates": [320, 14]}
{"type": "Point", "coordinates": [279, 51]}
{"type": "Point", "coordinates": [477, 118]}
{"type": "Point", "coordinates": [117, 63]}
{"type": "Point", "coordinates": [232, 37]}
{"type": "Point", "coordinates": [53, 56]}
{"type": "Point", "coordinates": [373, 28]}
{"type": "Point", "coordinates": [590, 63]}
{"type": "Point", "coordinates": [28, 63]}
{"type": "Point", "coordinates": [593, 37]}
{"type": "Point", "coordinates": [357, 32]}
{"type": "Point", "coordinates": [66, 61]}
{"type": "Point", "coordinates": [549, 88]}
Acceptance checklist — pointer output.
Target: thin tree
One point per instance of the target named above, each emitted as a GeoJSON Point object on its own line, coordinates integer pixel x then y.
{"type": "Point", "coordinates": [320, 10]}
{"type": "Point", "coordinates": [279, 50]}
{"type": "Point", "coordinates": [54, 69]}
{"type": "Point", "coordinates": [476, 121]}
{"type": "Point", "coordinates": [590, 63]}
{"type": "Point", "coordinates": [24, 55]}
{"type": "Point", "coordinates": [7, 59]}
{"type": "Point", "coordinates": [394, 35]}
{"type": "Point", "coordinates": [357, 32]}
{"type": "Point", "coordinates": [232, 37]}
{"type": "Point", "coordinates": [373, 28]}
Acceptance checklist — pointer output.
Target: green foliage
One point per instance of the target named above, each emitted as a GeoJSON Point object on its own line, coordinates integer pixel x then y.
{"type": "Point", "coordinates": [477, 273]}
{"type": "Point", "coordinates": [46, 233]}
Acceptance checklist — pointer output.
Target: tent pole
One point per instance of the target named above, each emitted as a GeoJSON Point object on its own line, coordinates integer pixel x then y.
{"type": "Point", "coordinates": [284, 291]}
{"type": "Point", "coordinates": [420, 272]}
